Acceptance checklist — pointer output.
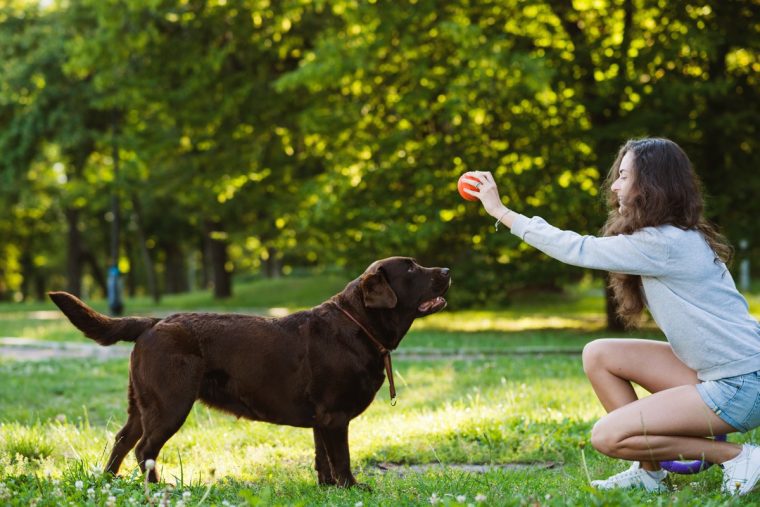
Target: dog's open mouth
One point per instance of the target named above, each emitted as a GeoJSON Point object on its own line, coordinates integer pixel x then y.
{"type": "Point", "coordinates": [432, 305]}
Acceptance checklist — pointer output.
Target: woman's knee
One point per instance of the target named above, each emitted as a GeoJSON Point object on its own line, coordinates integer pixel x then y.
{"type": "Point", "coordinates": [595, 354]}
{"type": "Point", "coordinates": [605, 439]}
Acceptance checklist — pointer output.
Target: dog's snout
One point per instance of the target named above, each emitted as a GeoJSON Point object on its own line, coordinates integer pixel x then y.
{"type": "Point", "coordinates": [443, 279]}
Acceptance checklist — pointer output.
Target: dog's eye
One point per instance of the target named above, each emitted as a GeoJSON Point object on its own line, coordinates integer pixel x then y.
{"type": "Point", "coordinates": [411, 269]}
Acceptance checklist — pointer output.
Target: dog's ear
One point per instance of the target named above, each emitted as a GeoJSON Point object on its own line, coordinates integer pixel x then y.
{"type": "Point", "coordinates": [377, 292]}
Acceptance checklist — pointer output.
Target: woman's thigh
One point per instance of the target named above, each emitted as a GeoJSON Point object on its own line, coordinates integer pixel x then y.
{"type": "Point", "coordinates": [677, 411]}
{"type": "Point", "coordinates": [651, 364]}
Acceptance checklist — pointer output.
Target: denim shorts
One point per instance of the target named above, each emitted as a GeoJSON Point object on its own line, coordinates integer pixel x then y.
{"type": "Point", "coordinates": [736, 400]}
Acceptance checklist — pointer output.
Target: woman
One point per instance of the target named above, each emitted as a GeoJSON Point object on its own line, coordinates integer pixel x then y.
{"type": "Point", "coordinates": [662, 253]}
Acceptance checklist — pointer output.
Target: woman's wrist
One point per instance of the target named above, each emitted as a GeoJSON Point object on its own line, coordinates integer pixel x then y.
{"type": "Point", "coordinates": [503, 216]}
{"type": "Point", "coordinates": [499, 212]}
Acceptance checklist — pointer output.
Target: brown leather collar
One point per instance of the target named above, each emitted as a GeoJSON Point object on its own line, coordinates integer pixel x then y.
{"type": "Point", "coordinates": [383, 351]}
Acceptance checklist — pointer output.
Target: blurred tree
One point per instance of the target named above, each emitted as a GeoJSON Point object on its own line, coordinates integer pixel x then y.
{"type": "Point", "coordinates": [41, 104]}
{"type": "Point", "coordinates": [194, 79]}
{"type": "Point", "coordinates": [543, 93]}
{"type": "Point", "coordinates": [258, 133]}
{"type": "Point", "coordinates": [412, 96]}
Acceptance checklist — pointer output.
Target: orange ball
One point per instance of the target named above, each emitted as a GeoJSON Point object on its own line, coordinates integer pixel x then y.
{"type": "Point", "coordinates": [462, 184]}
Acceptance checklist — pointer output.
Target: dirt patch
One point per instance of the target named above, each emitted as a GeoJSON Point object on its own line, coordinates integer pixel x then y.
{"type": "Point", "coordinates": [403, 469]}
{"type": "Point", "coordinates": [26, 349]}
{"type": "Point", "coordinates": [419, 354]}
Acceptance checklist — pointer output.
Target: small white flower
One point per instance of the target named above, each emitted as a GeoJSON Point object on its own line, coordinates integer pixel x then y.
{"type": "Point", "coordinates": [79, 484]}
{"type": "Point", "coordinates": [150, 464]}
{"type": "Point", "coordinates": [111, 501]}
{"type": "Point", "coordinates": [480, 497]}
{"type": "Point", "coordinates": [434, 499]}
{"type": "Point", "coordinates": [359, 504]}
{"type": "Point", "coordinates": [91, 493]}
{"type": "Point", "coordinates": [461, 498]}
{"type": "Point", "coordinates": [186, 495]}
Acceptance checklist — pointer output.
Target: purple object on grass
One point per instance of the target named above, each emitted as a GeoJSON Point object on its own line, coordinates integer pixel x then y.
{"type": "Point", "coordinates": [689, 467]}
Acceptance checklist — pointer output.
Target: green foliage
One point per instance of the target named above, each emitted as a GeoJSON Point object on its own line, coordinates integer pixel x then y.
{"type": "Point", "coordinates": [333, 132]}
{"type": "Point", "coordinates": [533, 411]}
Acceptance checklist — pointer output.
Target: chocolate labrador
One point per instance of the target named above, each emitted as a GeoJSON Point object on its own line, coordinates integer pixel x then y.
{"type": "Point", "coordinates": [317, 368]}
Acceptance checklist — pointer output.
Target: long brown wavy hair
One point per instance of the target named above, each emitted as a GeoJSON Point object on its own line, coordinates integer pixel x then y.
{"type": "Point", "coordinates": [665, 190]}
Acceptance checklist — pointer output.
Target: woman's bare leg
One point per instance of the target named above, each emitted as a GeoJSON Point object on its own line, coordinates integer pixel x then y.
{"type": "Point", "coordinates": [644, 430]}
{"type": "Point", "coordinates": [612, 365]}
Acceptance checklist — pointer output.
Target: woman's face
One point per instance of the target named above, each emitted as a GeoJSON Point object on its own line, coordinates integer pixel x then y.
{"type": "Point", "coordinates": [623, 185]}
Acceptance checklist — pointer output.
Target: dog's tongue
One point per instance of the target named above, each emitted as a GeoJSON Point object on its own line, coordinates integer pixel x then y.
{"type": "Point", "coordinates": [432, 304]}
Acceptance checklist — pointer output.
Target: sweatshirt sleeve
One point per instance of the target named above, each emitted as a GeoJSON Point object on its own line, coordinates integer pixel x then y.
{"type": "Point", "coordinates": [644, 252]}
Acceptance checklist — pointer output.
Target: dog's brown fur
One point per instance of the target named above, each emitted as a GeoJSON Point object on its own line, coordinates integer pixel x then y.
{"type": "Point", "coordinates": [314, 369]}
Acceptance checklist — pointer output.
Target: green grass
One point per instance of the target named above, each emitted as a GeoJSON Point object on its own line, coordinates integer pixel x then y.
{"type": "Point", "coordinates": [514, 409]}
{"type": "Point", "coordinates": [521, 400]}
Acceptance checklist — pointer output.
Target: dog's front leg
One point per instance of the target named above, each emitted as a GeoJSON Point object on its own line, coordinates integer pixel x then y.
{"type": "Point", "coordinates": [324, 470]}
{"type": "Point", "coordinates": [336, 444]}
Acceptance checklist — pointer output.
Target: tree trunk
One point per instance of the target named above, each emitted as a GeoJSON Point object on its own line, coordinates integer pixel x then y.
{"type": "Point", "coordinates": [33, 278]}
{"type": "Point", "coordinates": [27, 273]}
{"type": "Point", "coordinates": [3, 285]}
{"type": "Point", "coordinates": [40, 286]}
{"type": "Point", "coordinates": [97, 273]}
{"type": "Point", "coordinates": [73, 253]}
{"type": "Point", "coordinates": [130, 282]}
{"type": "Point", "coordinates": [273, 264]}
{"type": "Point", "coordinates": [205, 262]}
{"type": "Point", "coordinates": [192, 271]}
{"type": "Point", "coordinates": [175, 276]}
{"type": "Point", "coordinates": [150, 268]}
{"type": "Point", "coordinates": [216, 245]}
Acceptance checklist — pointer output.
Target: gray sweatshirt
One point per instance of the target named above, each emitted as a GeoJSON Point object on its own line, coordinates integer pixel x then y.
{"type": "Point", "coordinates": [691, 297]}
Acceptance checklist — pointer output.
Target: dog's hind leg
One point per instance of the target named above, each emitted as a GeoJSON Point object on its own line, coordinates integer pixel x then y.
{"type": "Point", "coordinates": [322, 463]}
{"type": "Point", "coordinates": [128, 436]}
{"type": "Point", "coordinates": [164, 403]}
{"type": "Point", "coordinates": [158, 428]}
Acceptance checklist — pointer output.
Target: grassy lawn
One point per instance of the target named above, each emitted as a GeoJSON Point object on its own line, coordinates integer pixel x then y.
{"type": "Point", "coordinates": [503, 388]}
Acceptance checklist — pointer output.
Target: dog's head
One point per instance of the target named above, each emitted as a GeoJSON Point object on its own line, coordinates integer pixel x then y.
{"type": "Point", "coordinates": [399, 283]}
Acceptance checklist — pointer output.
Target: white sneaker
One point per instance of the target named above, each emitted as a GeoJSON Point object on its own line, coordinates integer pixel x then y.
{"type": "Point", "coordinates": [634, 477]}
{"type": "Point", "coordinates": [740, 475]}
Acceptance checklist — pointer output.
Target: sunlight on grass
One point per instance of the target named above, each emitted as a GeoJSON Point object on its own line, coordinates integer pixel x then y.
{"type": "Point", "coordinates": [511, 404]}
{"type": "Point", "coordinates": [449, 411]}
{"type": "Point", "coordinates": [532, 409]}
{"type": "Point", "coordinates": [469, 321]}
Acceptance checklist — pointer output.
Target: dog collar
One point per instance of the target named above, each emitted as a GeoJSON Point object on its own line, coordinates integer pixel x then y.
{"type": "Point", "coordinates": [383, 351]}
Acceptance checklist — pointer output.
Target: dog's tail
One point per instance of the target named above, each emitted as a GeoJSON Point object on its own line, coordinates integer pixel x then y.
{"type": "Point", "coordinates": [101, 328]}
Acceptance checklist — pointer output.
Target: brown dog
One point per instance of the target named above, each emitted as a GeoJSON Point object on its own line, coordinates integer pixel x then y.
{"type": "Point", "coordinates": [317, 368]}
